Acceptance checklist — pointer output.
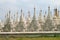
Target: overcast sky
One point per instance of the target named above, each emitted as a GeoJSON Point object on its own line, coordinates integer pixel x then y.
{"type": "Point", "coordinates": [16, 5]}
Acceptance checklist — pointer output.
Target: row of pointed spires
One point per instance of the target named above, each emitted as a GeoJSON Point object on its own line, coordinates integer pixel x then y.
{"type": "Point", "coordinates": [34, 16]}
{"type": "Point", "coordinates": [40, 15]}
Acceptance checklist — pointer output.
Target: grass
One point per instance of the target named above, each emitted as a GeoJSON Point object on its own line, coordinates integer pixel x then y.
{"type": "Point", "coordinates": [25, 38]}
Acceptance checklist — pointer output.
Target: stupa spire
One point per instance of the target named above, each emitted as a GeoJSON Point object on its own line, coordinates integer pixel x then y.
{"type": "Point", "coordinates": [21, 17]}
{"type": "Point", "coordinates": [20, 26]}
{"type": "Point", "coordinates": [49, 13]}
{"type": "Point", "coordinates": [33, 26]}
{"type": "Point", "coordinates": [28, 13]}
{"type": "Point", "coordinates": [34, 16]}
{"type": "Point", "coordinates": [5, 18]}
{"type": "Point", "coordinates": [45, 16]}
{"type": "Point", "coordinates": [28, 18]}
{"type": "Point", "coordinates": [7, 25]}
{"type": "Point", "coordinates": [40, 15]}
{"type": "Point", "coordinates": [34, 11]}
{"type": "Point", "coordinates": [40, 19]}
{"type": "Point", "coordinates": [9, 13]}
{"type": "Point", "coordinates": [56, 12]}
{"type": "Point", "coordinates": [17, 16]}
